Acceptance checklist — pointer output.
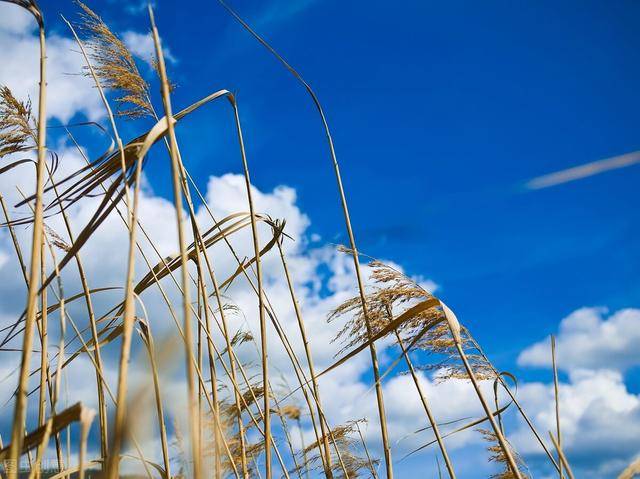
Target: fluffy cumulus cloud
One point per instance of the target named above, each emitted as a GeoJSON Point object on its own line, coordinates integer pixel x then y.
{"type": "Point", "coordinates": [591, 338]}
{"type": "Point", "coordinates": [600, 422]}
{"type": "Point", "coordinates": [600, 414]}
{"type": "Point", "coordinates": [19, 56]}
{"type": "Point", "coordinates": [69, 92]}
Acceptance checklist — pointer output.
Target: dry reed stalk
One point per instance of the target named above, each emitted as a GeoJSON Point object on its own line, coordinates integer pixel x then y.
{"type": "Point", "coordinates": [302, 381]}
{"type": "Point", "coordinates": [46, 425]}
{"type": "Point", "coordinates": [147, 337]}
{"type": "Point", "coordinates": [225, 331]}
{"type": "Point", "coordinates": [213, 377]}
{"type": "Point", "coordinates": [194, 418]}
{"type": "Point", "coordinates": [282, 413]}
{"type": "Point", "coordinates": [201, 390]}
{"type": "Point", "coordinates": [149, 266]}
{"type": "Point", "coordinates": [44, 368]}
{"type": "Point", "coordinates": [170, 306]}
{"type": "Point", "coordinates": [71, 470]}
{"type": "Point", "coordinates": [41, 328]}
{"type": "Point", "coordinates": [282, 336]}
{"type": "Point", "coordinates": [372, 468]}
{"type": "Point", "coordinates": [35, 468]}
{"type": "Point", "coordinates": [87, 349]}
{"type": "Point", "coordinates": [232, 367]}
{"type": "Point", "coordinates": [102, 406]}
{"type": "Point", "coordinates": [423, 400]}
{"type": "Point", "coordinates": [631, 471]}
{"type": "Point", "coordinates": [156, 280]}
{"type": "Point", "coordinates": [563, 458]}
{"type": "Point", "coordinates": [497, 404]}
{"type": "Point", "coordinates": [243, 458]}
{"type": "Point", "coordinates": [454, 326]}
{"type": "Point", "coordinates": [293, 412]}
{"type": "Point", "coordinates": [347, 219]}
{"type": "Point", "coordinates": [200, 246]}
{"type": "Point", "coordinates": [17, 433]}
{"type": "Point", "coordinates": [217, 424]}
{"type": "Point", "coordinates": [58, 422]}
{"type": "Point", "coordinates": [14, 240]}
{"type": "Point", "coordinates": [556, 398]}
{"type": "Point", "coordinates": [85, 425]}
{"type": "Point", "coordinates": [261, 308]}
{"type": "Point", "coordinates": [242, 269]}
{"type": "Point", "coordinates": [44, 355]}
{"type": "Point", "coordinates": [521, 410]}
{"type": "Point", "coordinates": [307, 350]}
{"type": "Point", "coordinates": [302, 446]}
{"type": "Point", "coordinates": [128, 322]}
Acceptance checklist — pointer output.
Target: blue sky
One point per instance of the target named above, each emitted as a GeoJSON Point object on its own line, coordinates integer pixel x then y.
{"type": "Point", "coordinates": [440, 113]}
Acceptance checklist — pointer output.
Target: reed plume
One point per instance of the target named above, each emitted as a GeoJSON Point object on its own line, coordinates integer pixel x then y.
{"type": "Point", "coordinates": [114, 65]}
{"type": "Point", "coordinates": [17, 128]}
{"type": "Point", "coordinates": [347, 460]}
{"type": "Point", "coordinates": [497, 455]}
{"type": "Point", "coordinates": [393, 293]}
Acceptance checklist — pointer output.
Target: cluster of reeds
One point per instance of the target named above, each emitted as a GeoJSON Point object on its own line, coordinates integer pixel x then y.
{"type": "Point", "coordinates": [240, 424]}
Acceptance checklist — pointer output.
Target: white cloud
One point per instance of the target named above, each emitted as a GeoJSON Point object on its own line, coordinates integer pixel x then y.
{"type": "Point", "coordinates": [143, 47]}
{"type": "Point", "coordinates": [68, 92]}
{"type": "Point", "coordinates": [16, 20]}
{"type": "Point", "coordinates": [323, 279]}
{"type": "Point", "coordinates": [587, 338]}
{"type": "Point", "coordinates": [600, 415]}
{"type": "Point", "coordinates": [600, 422]}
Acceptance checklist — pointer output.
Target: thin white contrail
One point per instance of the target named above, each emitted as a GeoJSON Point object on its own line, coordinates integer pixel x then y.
{"type": "Point", "coordinates": [583, 171]}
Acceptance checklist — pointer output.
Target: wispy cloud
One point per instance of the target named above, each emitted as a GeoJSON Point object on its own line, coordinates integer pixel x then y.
{"type": "Point", "coordinates": [583, 171]}
{"type": "Point", "coordinates": [136, 8]}
{"type": "Point", "coordinates": [281, 11]}
{"type": "Point", "coordinates": [141, 45]}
